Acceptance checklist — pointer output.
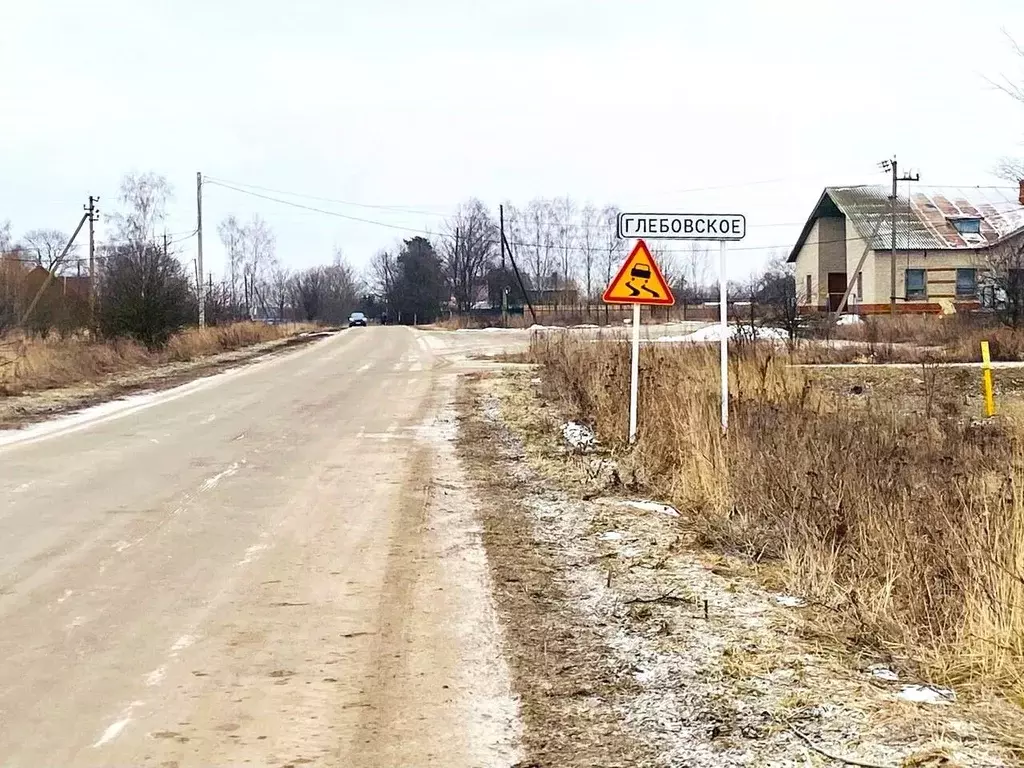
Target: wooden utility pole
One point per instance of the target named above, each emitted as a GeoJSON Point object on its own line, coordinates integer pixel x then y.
{"type": "Point", "coordinates": [893, 167]}
{"type": "Point", "coordinates": [519, 279]}
{"type": "Point", "coordinates": [93, 213]}
{"type": "Point", "coordinates": [200, 288]}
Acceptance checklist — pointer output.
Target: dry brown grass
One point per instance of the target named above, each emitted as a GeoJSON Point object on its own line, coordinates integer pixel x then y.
{"type": "Point", "coordinates": [915, 339]}
{"type": "Point", "coordinates": [908, 527]}
{"type": "Point", "coordinates": [29, 363]}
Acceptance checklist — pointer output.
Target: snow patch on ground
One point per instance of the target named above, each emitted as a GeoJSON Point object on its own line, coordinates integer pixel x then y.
{"type": "Point", "coordinates": [790, 601]}
{"type": "Point", "coordinates": [714, 333]}
{"type": "Point", "coordinates": [579, 436]}
{"type": "Point", "coordinates": [926, 694]}
{"type": "Point", "coordinates": [652, 506]}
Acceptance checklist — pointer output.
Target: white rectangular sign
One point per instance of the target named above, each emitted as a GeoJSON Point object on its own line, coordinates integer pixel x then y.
{"type": "Point", "coordinates": [682, 226]}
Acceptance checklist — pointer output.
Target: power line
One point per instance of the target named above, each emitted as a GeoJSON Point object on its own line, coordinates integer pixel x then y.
{"type": "Point", "coordinates": [556, 247]}
{"type": "Point", "coordinates": [320, 210]}
{"type": "Point", "coordinates": [395, 208]}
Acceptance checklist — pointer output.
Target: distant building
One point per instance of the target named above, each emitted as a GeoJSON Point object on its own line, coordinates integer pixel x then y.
{"type": "Point", "coordinates": [945, 242]}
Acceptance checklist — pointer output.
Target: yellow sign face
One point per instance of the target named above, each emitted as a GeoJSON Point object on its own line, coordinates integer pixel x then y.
{"type": "Point", "coordinates": [639, 281]}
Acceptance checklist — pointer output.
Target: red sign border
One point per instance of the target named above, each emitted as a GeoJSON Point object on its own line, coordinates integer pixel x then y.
{"type": "Point", "coordinates": [640, 246]}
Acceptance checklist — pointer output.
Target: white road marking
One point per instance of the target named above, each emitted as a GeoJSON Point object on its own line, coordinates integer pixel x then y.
{"type": "Point", "coordinates": [251, 554]}
{"type": "Point", "coordinates": [114, 729]}
{"type": "Point", "coordinates": [365, 368]}
{"type": "Point", "coordinates": [210, 483]}
{"type": "Point", "coordinates": [156, 676]}
{"type": "Point", "coordinates": [112, 732]}
{"type": "Point", "coordinates": [183, 642]}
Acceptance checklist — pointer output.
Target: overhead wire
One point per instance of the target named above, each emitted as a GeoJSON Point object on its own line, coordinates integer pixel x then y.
{"type": "Point", "coordinates": [515, 243]}
{"type": "Point", "coordinates": [395, 208]}
{"type": "Point", "coordinates": [554, 247]}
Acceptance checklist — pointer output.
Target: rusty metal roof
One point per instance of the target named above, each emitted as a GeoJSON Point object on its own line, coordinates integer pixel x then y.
{"type": "Point", "coordinates": [924, 221]}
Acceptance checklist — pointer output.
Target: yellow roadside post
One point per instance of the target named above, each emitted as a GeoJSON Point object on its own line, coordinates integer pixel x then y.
{"type": "Point", "coordinates": [986, 380]}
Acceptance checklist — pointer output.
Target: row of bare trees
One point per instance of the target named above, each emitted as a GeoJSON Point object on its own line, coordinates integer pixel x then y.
{"type": "Point", "coordinates": [561, 248]}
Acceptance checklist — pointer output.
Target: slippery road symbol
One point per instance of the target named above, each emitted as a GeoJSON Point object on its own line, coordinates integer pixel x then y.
{"type": "Point", "coordinates": [641, 272]}
{"type": "Point", "coordinates": [639, 281]}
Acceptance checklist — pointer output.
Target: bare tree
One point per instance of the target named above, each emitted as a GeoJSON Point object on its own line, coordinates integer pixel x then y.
{"type": "Point", "coordinates": [775, 292]}
{"type": "Point", "coordinates": [230, 232]}
{"type": "Point", "coordinates": [563, 214]}
{"type": "Point", "coordinates": [309, 288]}
{"type": "Point", "coordinates": [1002, 287]}
{"type": "Point", "coordinates": [590, 224]}
{"type": "Point", "coordinates": [258, 259]}
{"type": "Point", "coordinates": [46, 246]}
{"type": "Point", "coordinates": [695, 270]}
{"type": "Point", "coordinates": [341, 290]}
{"type": "Point", "coordinates": [1012, 168]}
{"type": "Point", "coordinates": [538, 241]}
{"type": "Point", "coordinates": [383, 276]}
{"type": "Point", "coordinates": [668, 262]}
{"type": "Point", "coordinates": [144, 198]}
{"type": "Point", "coordinates": [612, 247]}
{"type": "Point", "coordinates": [5, 237]}
{"type": "Point", "coordinates": [280, 290]}
{"type": "Point", "coordinates": [468, 251]}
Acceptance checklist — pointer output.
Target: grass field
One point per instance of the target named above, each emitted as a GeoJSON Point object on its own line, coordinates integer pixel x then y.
{"type": "Point", "coordinates": [876, 493]}
{"type": "Point", "coordinates": [30, 363]}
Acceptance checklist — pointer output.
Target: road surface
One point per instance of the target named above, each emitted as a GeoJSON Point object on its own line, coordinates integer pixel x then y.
{"type": "Point", "coordinates": [276, 566]}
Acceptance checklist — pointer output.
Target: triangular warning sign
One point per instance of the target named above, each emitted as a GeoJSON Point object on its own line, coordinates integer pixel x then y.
{"type": "Point", "coordinates": [639, 281]}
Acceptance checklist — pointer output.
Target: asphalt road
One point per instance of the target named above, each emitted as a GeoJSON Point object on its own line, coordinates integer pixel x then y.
{"type": "Point", "coordinates": [275, 566]}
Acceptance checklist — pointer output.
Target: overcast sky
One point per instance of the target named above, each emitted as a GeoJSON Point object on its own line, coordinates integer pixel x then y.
{"type": "Point", "coordinates": [420, 105]}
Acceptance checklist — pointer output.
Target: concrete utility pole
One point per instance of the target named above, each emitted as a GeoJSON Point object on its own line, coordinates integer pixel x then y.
{"type": "Point", "coordinates": [200, 288]}
{"type": "Point", "coordinates": [891, 166]}
{"type": "Point", "coordinates": [93, 214]}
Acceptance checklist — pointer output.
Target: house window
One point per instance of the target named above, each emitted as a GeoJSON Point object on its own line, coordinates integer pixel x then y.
{"type": "Point", "coordinates": [966, 283]}
{"type": "Point", "coordinates": [967, 226]}
{"type": "Point", "coordinates": [915, 285]}
{"type": "Point", "coordinates": [807, 291]}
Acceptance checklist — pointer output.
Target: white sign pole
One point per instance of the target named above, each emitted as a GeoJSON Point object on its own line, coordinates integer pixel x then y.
{"type": "Point", "coordinates": [724, 307]}
{"type": "Point", "coordinates": [634, 374]}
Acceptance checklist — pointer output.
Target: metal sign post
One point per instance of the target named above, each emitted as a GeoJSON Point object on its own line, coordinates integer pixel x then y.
{"type": "Point", "coordinates": [722, 227]}
{"type": "Point", "coordinates": [638, 282]}
{"type": "Point", "coordinates": [634, 374]}
{"type": "Point", "coordinates": [723, 300]}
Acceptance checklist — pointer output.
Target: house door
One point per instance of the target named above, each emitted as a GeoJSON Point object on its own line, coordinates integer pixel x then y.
{"type": "Point", "coordinates": [836, 289]}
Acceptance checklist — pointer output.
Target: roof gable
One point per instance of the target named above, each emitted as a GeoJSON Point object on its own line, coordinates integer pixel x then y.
{"type": "Point", "coordinates": [924, 221]}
